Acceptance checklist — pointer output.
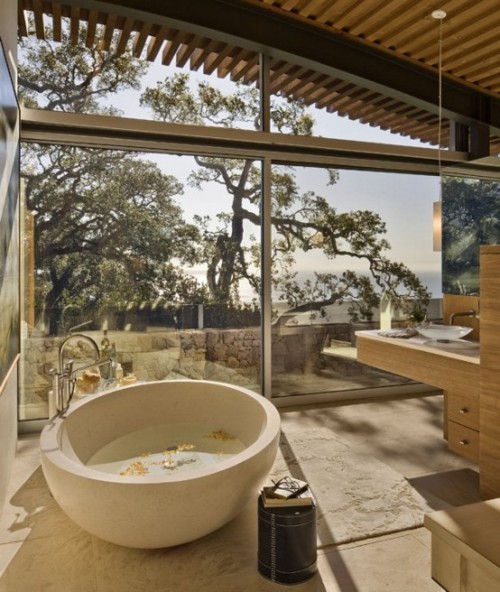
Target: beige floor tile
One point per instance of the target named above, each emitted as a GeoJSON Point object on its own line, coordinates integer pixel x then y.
{"type": "Point", "coordinates": [53, 564]}
{"type": "Point", "coordinates": [41, 550]}
{"type": "Point", "coordinates": [224, 561]}
{"type": "Point", "coordinates": [26, 462]}
{"type": "Point", "coordinates": [396, 564]}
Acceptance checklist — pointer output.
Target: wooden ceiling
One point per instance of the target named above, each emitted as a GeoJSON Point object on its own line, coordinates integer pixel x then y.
{"type": "Point", "coordinates": [470, 50]}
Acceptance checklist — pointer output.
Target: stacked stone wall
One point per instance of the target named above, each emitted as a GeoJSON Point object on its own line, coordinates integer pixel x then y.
{"type": "Point", "coordinates": [226, 355]}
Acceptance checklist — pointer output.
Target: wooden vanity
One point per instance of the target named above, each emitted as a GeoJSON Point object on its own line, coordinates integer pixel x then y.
{"type": "Point", "coordinates": [457, 372]}
{"type": "Point", "coordinates": [470, 378]}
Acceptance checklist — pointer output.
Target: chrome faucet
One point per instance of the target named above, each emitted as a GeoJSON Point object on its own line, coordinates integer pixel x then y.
{"type": "Point", "coordinates": [467, 313]}
{"type": "Point", "coordinates": [64, 378]}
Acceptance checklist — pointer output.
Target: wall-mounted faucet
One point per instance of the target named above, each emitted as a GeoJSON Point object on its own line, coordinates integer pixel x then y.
{"type": "Point", "coordinates": [467, 313]}
{"type": "Point", "coordinates": [64, 378]}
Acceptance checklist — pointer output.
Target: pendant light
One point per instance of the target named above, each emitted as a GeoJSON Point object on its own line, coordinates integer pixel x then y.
{"type": "Point", "coordinates": [437, 219]}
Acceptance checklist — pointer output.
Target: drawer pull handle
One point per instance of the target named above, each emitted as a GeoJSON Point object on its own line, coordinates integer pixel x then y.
{"type": "Point", "coordinates": [464, 442]}
{"type": "Point", "coordinates": [464, 410]}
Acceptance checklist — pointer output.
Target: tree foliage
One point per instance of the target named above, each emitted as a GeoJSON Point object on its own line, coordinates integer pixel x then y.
{"type": "Point", "coordinates": [303, 221]}
{"type": "Point", "coordinates": [74, 77]}
{"type": "Point", "coordinates": [108, 224]}
{"type": "Point", "coordinates": [108, 229]}
{"type": "Point", "coordinates": [471, 217]}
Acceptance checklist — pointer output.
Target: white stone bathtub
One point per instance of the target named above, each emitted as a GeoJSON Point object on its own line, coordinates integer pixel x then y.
{"type": "Point", "coordinates": [165, 507]}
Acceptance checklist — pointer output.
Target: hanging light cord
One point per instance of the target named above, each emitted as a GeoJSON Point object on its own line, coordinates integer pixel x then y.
{"type": "Point", "coordinates": [440, 15]}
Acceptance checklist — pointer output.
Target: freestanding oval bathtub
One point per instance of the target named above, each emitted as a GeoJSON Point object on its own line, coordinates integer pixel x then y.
{"type": "Point", "coordinates": [161, 507]}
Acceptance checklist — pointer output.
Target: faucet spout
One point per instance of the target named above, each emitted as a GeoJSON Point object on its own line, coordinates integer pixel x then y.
{"type": "Point", "coordinates": [63, 379]}
{"type": "Point", "coordinates": [467, 313]}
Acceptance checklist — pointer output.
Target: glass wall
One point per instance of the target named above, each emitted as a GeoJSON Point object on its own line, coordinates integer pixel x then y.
{"type": "Point", "coordinates": [346, 258]}
{"type": "Point", "coordinates": [155, 257]}
{"type": "Point", "coordinates": [471, 217]}
{"type": "Point", "coordinates": [95, 79]}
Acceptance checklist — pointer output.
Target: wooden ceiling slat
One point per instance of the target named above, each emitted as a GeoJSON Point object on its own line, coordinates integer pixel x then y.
{"type": "Point", "coordinates": [473, 60]}
{"type": "Point", "coordinates": [283, 72]}
{"type": "Point", "coordinates": [200, 55]}
{"type": "Point", "coordinates": [91, 28]}
{"type": "Point", "coordinates": [155, 44]}
{"type": "Point", "coordinates": [252, 76]}
{"type": "Point", "coordinates": [140, 38]}
{"type": "Point", "coordinates": [109, 29]}
{"type": "Point", "coordinates": [289, 4]}
{"type": "Point", "coordinates": [389, 110]}
{"type": "Point", "coordinates": [292, 80]}
{"type": "Point", "coordinates": [331, 88]}
{"type": "Point", "coordinates": [305, 84]}
{"type": "Point", "coordinates": [170, 49]}
{"type": "Point", "coordinates": [125, 36]}
{"type": "Point", "coordinates": [470, 49]}
{"type": "Point", "coordinates": [213, 60]}
{"type": "Point", "coordinates": [38, 13]}
{"type": "Point", "coordinates": [404, 120]}
{"type": "Point", "coordinates": [278, 67]}
{"type": "Point", "coordinates": [357, 102]}
{"type": "Point", "coordinates": [186, 51]}
{"type": "Point", "coordinates": [492, 79]}
{"type": "Point", "coordinates": [39, 23]}
{"type": "Point", "coordinates": [22, 22]}
{"type": "Point", "coordinates": [56, 21]}
{"type": "Point", "coordinates": [229, 63]}
{"type": "Point", "coordinates": [387, 17]}
{"type": "Point", "coordinates": [460, 36]}
{"type": "Point", "coordinates": [331, 11]}
{"type": "Point", "coordinates": [356, 7]}
{"type": "Point", "coordinates": [472, 52]}
{"type": "Point", "coordinates": [463, 16]}
{"type": "Point", "coordinates": [242, 70]}
{"type": "Point", "coordinates": [414, 132]}
{"type": "Point", "coordinates": [311, 7]}
{"type": "Point", "coordinates": [490, 66]}
{"type": "Point", "coordinates": [355, 20]}
{"type": "Point", "coordinates": [333, 96]}
{"type": "Point", "coordinates": [74, 24]}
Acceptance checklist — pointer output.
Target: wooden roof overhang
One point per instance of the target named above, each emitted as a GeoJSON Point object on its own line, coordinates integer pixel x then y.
{"type": "Point", "coordinates": [374, 61]}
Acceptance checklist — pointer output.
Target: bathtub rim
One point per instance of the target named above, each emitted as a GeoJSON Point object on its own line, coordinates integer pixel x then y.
{"type": "Point", "coordinates": [51, 451]}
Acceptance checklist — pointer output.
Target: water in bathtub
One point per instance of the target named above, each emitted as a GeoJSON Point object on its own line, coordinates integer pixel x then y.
{"type": "Point", "coordinates": [166, 449]}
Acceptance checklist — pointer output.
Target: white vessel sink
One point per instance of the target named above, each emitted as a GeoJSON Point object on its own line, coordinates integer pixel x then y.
{"type": "Point", "coordinates": [444, 332]}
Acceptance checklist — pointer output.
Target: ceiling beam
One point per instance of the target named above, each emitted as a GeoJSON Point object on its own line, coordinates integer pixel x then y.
{"type": "Point", "coordinates": [314, 46]}
{"type": "Point", "coordinates": [102, 131]}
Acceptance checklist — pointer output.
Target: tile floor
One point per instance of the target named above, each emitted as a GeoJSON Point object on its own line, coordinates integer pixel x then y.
{"type": "Point", "coordinates": [43, 551]}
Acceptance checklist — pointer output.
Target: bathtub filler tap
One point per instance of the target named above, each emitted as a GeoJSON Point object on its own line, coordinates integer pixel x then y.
{"type": "Point", "coordinates": [64, 378]}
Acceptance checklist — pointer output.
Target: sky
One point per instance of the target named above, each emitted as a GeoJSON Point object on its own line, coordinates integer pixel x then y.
{"type": "Point", "coordinates": [403, 201]}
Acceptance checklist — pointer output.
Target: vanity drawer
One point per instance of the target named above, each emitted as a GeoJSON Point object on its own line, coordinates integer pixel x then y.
{"type": "Point", "coordinates": [463, 441]}
{"type": "Point", "coordinates": [464, 410]}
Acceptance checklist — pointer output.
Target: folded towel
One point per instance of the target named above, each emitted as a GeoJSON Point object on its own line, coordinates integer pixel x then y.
{"type": "Point", "coordinates": [401, 333]}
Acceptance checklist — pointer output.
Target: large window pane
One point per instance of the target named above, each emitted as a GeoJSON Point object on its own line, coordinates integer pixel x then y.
{"type": "Point", "coordinates": [153, 256]}
{"type": "Point", "coordinates": [344, 248]}
{"type": "Point", "coordinates": [471, 216]}
{"type": "Point", "coordinates": [162, 80]}
{"type": "Point", "coordinates": [334, 108]}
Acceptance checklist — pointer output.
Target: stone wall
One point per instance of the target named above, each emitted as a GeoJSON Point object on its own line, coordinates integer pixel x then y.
{"type": "Point", "coordinates": [226, 355]}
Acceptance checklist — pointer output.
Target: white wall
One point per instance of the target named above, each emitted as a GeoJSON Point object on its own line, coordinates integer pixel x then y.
{"type": "Point", "coordinates": [8, 395]}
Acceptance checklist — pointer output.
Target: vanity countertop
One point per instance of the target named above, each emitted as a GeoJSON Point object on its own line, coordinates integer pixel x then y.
{"type": "Point", "coordinates": [446, 366]}
{"type": "Point", "coordinates": [460, 349]}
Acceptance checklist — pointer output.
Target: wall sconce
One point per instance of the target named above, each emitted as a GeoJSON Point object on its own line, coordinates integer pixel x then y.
{"type": "Point", "coordinates": [437, 232]}
{"type": "Point", "coordinates": [437, 218]}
